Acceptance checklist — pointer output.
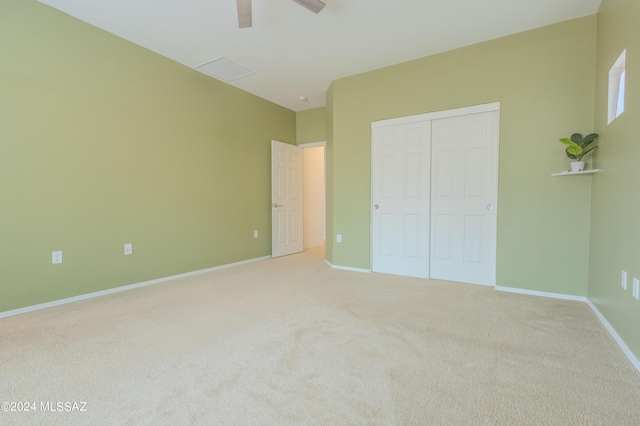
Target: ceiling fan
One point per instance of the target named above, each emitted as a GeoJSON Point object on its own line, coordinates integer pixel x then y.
{"type": "Point", "coordinates": [244, 10]}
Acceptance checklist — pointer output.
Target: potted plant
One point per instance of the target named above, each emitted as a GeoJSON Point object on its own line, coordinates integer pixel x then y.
{"type": "Point", "coordinates": [578, 147]}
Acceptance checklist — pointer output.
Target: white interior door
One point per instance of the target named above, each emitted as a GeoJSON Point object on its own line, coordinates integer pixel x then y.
{"type": "Point", "coordinates": [286, 199]}
{"type": "Point", "coordinates": [400, 199]}
{"type": "Point", "coordinates": [464, 195]}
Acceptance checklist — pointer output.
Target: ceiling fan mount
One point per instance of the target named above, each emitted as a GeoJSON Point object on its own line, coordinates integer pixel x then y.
{"type": "Point", "coordinates": [244, 10]}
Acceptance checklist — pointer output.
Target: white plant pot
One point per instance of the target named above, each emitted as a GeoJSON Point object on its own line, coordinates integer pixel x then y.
{"type": "Point", "coordinates": [577, 166]}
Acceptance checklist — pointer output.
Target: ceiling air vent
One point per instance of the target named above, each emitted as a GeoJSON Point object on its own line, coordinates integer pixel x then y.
{"type": "Point", "coordinates": [224, 69]}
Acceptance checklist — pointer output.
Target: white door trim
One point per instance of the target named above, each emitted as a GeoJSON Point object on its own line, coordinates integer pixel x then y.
{"type": "Point", "coordinates": [475, 109]}
{"type": "Point", "coordinates": [313, 144]}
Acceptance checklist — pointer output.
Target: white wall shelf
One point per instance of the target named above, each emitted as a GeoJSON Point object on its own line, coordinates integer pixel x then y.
{"type": "Point", "coordinates": [570, 173]}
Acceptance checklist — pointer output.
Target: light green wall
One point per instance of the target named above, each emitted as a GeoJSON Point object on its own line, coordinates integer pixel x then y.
{"type": "Point", "coordinates": [615, 230]}
{"type": "Point", "coordinates": [104, 143]}
{"type": "Point", "coordinates": [311, 125]}
{"type": "Point", "coordinates": [329, 166]}
{"type": "Point", "coordinates": [544, 81]}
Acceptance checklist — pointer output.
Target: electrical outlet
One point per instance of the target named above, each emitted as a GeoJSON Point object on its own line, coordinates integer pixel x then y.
{"type": "Point", "coordinates": [128, 249]}
{"type": "Point", "coordinates": [56, 257]}
{"type": "Point", "coordinates": [339, 238]}
{"type": "Point", "coordinates": [624, 280]}
{"type": "Point", "coordinates": [636, 288]}
{"type": "Point", "coordinates": [255, 234]}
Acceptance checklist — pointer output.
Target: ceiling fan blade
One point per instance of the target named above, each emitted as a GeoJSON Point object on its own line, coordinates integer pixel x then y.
{"type": "Point", "coordinates": [313, 5]}
{"type": "Point", "coordinates": [244, 13]}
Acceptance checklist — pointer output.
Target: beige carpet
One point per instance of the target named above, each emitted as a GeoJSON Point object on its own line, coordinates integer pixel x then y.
{"type": "Point", "coordinates": [290, 341]}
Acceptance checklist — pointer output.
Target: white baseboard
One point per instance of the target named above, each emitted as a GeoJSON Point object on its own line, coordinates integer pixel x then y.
{"type": "Point", "coordinates": [634, 359]}
{"type": "Point", "coordinates": [122, 288]}
{"type": "Point", "coordinates": [542, 293]}
{"type": "Point", "coordinates": [346, 268]}
{"type": "Point", "coordinates": [625, 349]}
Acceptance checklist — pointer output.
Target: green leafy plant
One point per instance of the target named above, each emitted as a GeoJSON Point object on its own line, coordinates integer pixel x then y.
{"type": "Point", "coordinates": [579, 146]}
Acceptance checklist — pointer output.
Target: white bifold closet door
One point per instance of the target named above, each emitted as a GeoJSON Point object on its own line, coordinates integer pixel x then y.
{"type": "Point", "coordinates": [400, 193]}
{"type": "Point", "coordinates": [434, 196]}
{"type": "Point", "coordinates": [464, 194]}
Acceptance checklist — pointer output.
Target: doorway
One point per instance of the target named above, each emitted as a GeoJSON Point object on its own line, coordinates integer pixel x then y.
{"type": "Point", "coordinates": [298, 194]}
{"type": "Point", "coordinates": [314, 194]}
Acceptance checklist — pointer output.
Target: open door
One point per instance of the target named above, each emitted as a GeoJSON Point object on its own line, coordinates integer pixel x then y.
{"type": "Point", "coordinates": [286, 199]}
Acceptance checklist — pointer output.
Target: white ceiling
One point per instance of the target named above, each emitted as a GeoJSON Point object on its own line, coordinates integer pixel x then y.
{"type": "Point", "coordinates": [293, 52]}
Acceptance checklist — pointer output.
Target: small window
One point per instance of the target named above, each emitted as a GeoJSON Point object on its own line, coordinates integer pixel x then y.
{"type": "Point", "coordinates": [617, 83]}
